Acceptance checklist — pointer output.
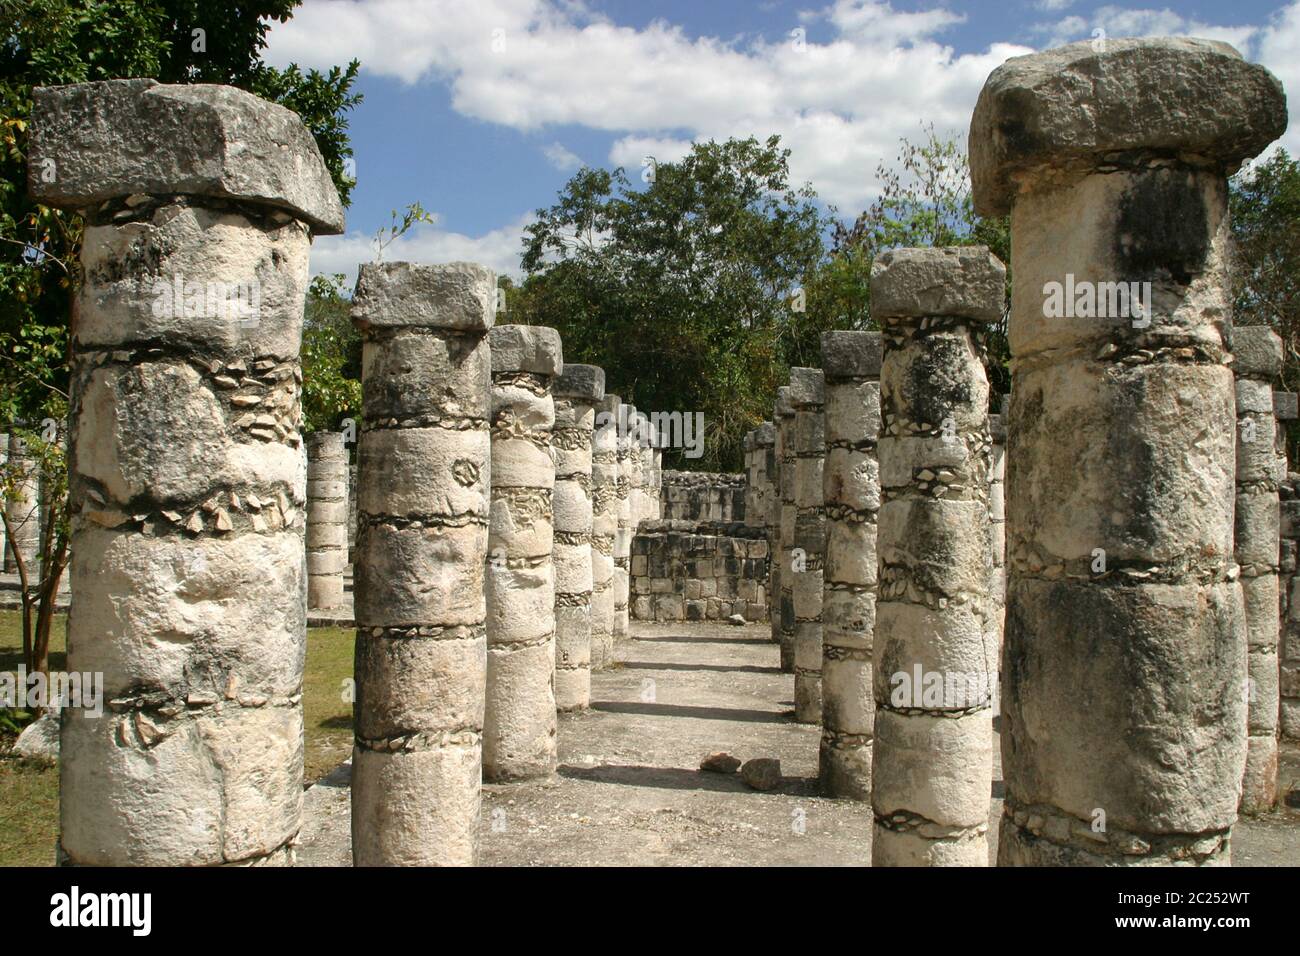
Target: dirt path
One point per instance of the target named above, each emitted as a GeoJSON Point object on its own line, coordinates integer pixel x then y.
{"type": "Point", "coordinates": [629, 792]}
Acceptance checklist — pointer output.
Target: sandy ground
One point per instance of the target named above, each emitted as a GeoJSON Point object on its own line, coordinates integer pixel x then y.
{"type": "Point", "coordinates": [629, 791]}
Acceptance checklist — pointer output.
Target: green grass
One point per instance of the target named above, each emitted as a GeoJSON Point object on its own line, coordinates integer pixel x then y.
{"type": "Point", "coordinates": [29, 793]}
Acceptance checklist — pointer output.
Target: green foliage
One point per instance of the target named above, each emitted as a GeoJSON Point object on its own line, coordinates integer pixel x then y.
{"type": "Point", "coordinates": [1264, 199]}
{"type": "Point", "coordinates": [70, 41]}
{"type": "Point", "coordinates": [331, 350]}
{"type": "Point", "coordinates": [399, 226]}
{"type": "Point", "coordinates": [925, 200]}
{"type": "Point", "coordinates": [1265, 205]}
{"type": "Point", "coordinates": [49, 42]}
{"type": "Point", "coordinates": [681, 290]}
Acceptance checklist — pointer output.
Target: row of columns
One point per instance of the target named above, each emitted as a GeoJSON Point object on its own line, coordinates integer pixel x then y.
{"type": "Point", "coordinates": [1142, 585]}
{"type": "Point", "coordinates": [488, 493]}
{"type": "Point", "coordinates": [1127, 641]}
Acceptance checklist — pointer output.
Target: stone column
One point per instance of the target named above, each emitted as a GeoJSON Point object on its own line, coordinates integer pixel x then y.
{"type": "Point", "coordinates": [1285, 410]}
{"type": "Point", "coordinates": [23, 510]}
{"type": "Point", "coordinates": [604, 529]}
{"type": "Point", "coordinates": [1123, 713]}
{"type": "Point", "coordinates": [1258, 360]}
{"type": "Point", "coordinates": [808, 445]}
{"type": "Point", "coordinates": [749, 459]}
{"type": "Point", "coordinates": [935, 643]}
{"type": "Point", "coordinates": [648, 491]}
{"type": "Point", "coordinates": [635, 474]}
{"type": "Point", "coordinates": [519, 720]}
{"type": "Point", "coordinates": [46, 500]}
{"type": "Point", "coordinates": [423, 463]}
{"type": "Point", "coordinates": [187, 471]}
{"type": "Point", "coordinates": [657, 483]}
{"type": "Point", "coordinates": [851, 483]}
{"type": "Point", "coordinates": [623, 534]}
{"type": "Point", "coordinates": [767, 514]}
{"type": "Point", "coordinates": [998, 521]}
{"type": "Point", "coordinates": [577, 391]}
{"type": "Point", "coordinates": [783, 419]}
{"type": "Point", "coordinates": [327, 518]}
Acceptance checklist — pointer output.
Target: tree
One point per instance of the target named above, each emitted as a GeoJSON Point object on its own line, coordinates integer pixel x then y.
{"type": "Point", "coordinates": [925, 200]}
{"type": "Point", "coordinates": [686, 291]}
{"type": "Point", "coordinates": [48, 42]}
{"type": "Point", "coordinates": [331, 349]}
{"type": "Point", "coordinates": [1264, 199]}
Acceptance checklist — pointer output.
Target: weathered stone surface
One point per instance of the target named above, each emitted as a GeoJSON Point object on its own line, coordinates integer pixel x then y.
{"type": "Point", "coordinates": [958, 281]}
{"type": "Point", "coordinates": [720, 763]}
{"type": "Point", "coordinates": [1076, 106]}
{"type": "Point", "coordinates": [1258, 360]}
{"type": "Point", "coordinates": [851, 493]}
{"type": "Point", "coordinates": [39, 740]}
{"type": "Point", "coordinates": [97, 141]}
{"type": "Point", "coordinates": [406, 575]}
{"type": "Point", "coordinates": [457, 295]}
{"type": "Point", "coordinates": [625, 415]}
{"type": "Point", "coordinates": [526, 348]}
{"type": "Point", "coordinates": [762, 773]}
{"type": "Point", "coordinates": [411, 376]}
{"type": "Point", "coordinates": [423, 512]}
{"type": "Point", "coordinates": [806, 387]}
{"type": "Point", "coordinates": [604, 528]}
{"type": "Point", "coordinates": [586, 382]}
{"type": "Point", "coordinates": [1129, 191]}
{"type": "Point", "coordinates": [783, 621]}
{"type": "Point", "coordinates": [419, 683]}
{"type": "Point", "coordinates": [576, 393]}
{"type": "Point", "coordinates": [186, 467]}
{"type": "Point", "coordinates": [851, 355]}
{"type": "Point", "coordinates": [935, 632]}
{"type": "Point", "coordinates": [1286, 406]}
{"type": "Point", "coordinates": [414, 806]}
{"type": "Point", "coordinates": [1163, 762]}
{"type": "Point", "coordinates": [233, 785]}
{"type": "Point", "coordinates": [327, 517]}
{"type": "Point", "coordinates": [519, 723]}
{"type": "Point", "coordinates": [22, 508]}
{"type": "Point", "coordinates": [195, 274]}
{"type": "Point", "coordinates": [808, 446]}
{"type": "Point", "coordinates": [1257, 352]}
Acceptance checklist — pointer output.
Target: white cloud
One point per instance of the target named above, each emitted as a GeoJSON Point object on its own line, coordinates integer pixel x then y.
{"type": "Point", "coordinates": [1279, 50]}
{"type": "Point", "coordinates": [561, 157]}
{"type": "Point", "coordinates": [1118, 21]}
{"type": "Point", "coordinates": [631, 152]}
{"type": "Point", "coordinates": [1053, 6]}
{"type": "Point", "coordinates": [498, 249]}
{"type": "Point", "coordinates": [841, 106]}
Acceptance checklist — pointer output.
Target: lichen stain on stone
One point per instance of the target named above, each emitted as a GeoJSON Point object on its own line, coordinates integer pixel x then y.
{"type": "Point", "coordinates": [1162, 227]}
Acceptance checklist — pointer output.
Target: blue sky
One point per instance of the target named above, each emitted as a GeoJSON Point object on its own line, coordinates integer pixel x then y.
{"type": "Point", "coordinates": [481, 109]}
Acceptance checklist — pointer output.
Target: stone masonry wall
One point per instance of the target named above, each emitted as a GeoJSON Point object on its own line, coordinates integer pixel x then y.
{"type": "Point", "coordinates": [688, 571]}
{"type": "Point", "coordinates": [702, 496]}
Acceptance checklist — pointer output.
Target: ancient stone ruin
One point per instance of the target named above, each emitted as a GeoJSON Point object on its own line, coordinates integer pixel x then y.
{"type": "Point", "coordinates": [187, 484]}
{"type": "Point", "coordinates": [519, 720]}
{"type": "Point", "coordinates": [1121, 449]}
{"type": "Point", "coordinates": [577, 391]}
{"type": "Point", "coordinates": [935, 642]}
{"type": "Point", "coordinates": [1096, 578]}
{"type": "Point", "coordinates": [423, 470]}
